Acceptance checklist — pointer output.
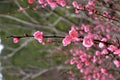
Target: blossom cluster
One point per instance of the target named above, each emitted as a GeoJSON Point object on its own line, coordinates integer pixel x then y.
{"type": "Point", "coordinates": [52, 3]}
{"type": "Point", "coordinates": [84, 60]}
{"type": "Point", "coordinates": [100, 50]}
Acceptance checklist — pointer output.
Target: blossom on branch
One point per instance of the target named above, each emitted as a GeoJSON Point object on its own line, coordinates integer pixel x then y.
{"type": "Point", "coordinates": [87, 41]}
{"type": "Point", "coordinates": [73, 36]}
{"type": "Point", "coordinates": [16, 40]}
{"type": "Point", "coordinates": [117, 63]}
{"type": "Point", "coordinates": [66, 40]}
{"type": "Point", "coordinates": [73, 33]}
{"type": "Point", "coordinates": [30, 1]}
{"type": "Point", "coordinates": [38, 36]}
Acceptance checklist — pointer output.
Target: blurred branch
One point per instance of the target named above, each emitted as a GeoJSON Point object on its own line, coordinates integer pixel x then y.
{"type": "Point", "coordinates": [17, 49]}
{"type": "Point", "coordinates": [31, 18]}
{"type": "Point", "coordinates": [43, 71]}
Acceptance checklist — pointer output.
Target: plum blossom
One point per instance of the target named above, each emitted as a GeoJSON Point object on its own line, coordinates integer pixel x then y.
{"type": "Point", "coordinates": [16, 40]}
{"type": "Point", "coordinates": [21, 9]}
{"type": "Point", "coordinates": [75, 4]}
{"type": "Point", "coordinates": [66, 40]}
{"type": "Point", "coordinates": [72, 61]}
{"type": "Point", "coordinates": [101, 44]}
{"type": "Point", "coordinates": [86, 27]}
{"type": "Point", "coordinates": [73, 36]}
{"type": "Point", "coordinates": [61, 2]}
{"type": "Point", "coordinates": [112, 48]}
{"type": "Point", "coordinates": [117, 63]}
{"type": "Point", "coordinates": [117, 51]}
{"type": "Point", "coordinates": [103, 70]}
{"type": "Point", "coordinates": [40, 1]}
{"type": "Point", "coordinates": [104, 51]}
{"type": "Point", "coordinates": [30, 1]}
{"type": "Point", "coordinates": [53, 4]}
{"type": "Point", "coordinates": [79, 65]}
{"type": "Point", "coordinates": [38, 36]}
{"type": "Point", "coordinates": [73, 33]}
{"type": "Point", "coordinates": [87, 41]}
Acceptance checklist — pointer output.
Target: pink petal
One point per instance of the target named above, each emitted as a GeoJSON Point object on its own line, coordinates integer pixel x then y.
{"type": "Point", "coordinates": [117, 63]}
{"type": "Point", "coordinates": [66, 40]}
{"type": "Point", "coordinates": [87, 41]}
{"type": "Point", "coordinates": [73, 33]}
{"type": "Point", "coordinates": [38, 36]}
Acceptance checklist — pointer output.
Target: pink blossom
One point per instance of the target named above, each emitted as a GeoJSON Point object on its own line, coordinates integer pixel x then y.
{"type": "Point", "coordinates": [16, 40]}
{"type": "Point", "coordinates": [83, 58]}
{"type": "Point", "coordinates": [75, 4]}
{"type": "Point", "coordinates": [21, 9]}
{"type": "Point", "coordinates": [87, 63]}
{"type": "Point", "coordinates": [38, 36]}
{"type": "Point", "coordinates": [104, 71]}
{"type": "Point", "coordinates": [101, 44]}
{"type": "Point", "coordinates": [53, 4]}
{"type": "Point", "coordinates": [71, 79]}
{"type": "Point", "coordinates": [97, 53]}
{"type": "Point", "coordinates": [63, 3]}
{"type": "Point", "coordinates": [112, 48]}
{"type": "Point", "coordinates": [92, 3]}
{"type": "Point", "coordinates": [117, 51]}
{"type": "Point", "coordinates": [73, 36]}
{"type": "Point", "coordinates": [87, 41]}
{"type": "Point", "coordinates": [66, 40]}
{"type": "Point", "coordinates": [94, 59]}
{"type": "Point", "coordinates": [49, 41]}
{"type": "Point", "coordinates": [73, 33]}
{"type": "Point", "coordinates": [104, 51]}
{"type": "Point", "coordinates": [117, 63]}
{"type": "Point", "coordinates": [79, 65]}
{"type": "Point", "coordinates": [30, 1]}
{"type": "Point", "coordinates": [80, 7]}
{"type": "Point", "coordinates": [72, 61]}
{"type": "Point", "coordinates": [76, 11]}
{"type": "Point", "coordinates": [98, 74]}
{"type": "Point", "coordinates": [40, 1]}
{"type": "Point", "coordinates": [86, 27]}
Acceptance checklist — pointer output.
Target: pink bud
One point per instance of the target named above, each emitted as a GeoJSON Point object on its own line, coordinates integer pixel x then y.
{"type": "Point", "coordinates": [21, 9]}
{"type": "Point", "coordinates": [101, 45]}
{"type": "Point", "coordinates": [16, 40]}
